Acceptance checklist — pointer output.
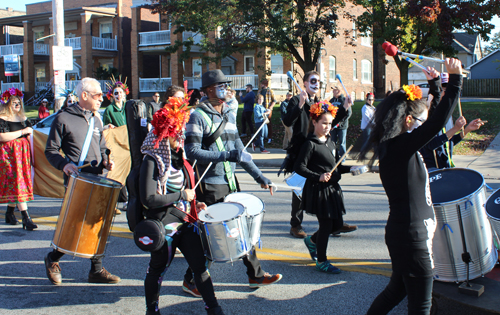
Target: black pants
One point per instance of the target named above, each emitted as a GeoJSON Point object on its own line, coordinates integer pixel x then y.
{"type": "Point", "coordinates": [418, 290]}
{"type": "Point", "coordinates": [96, 262]}
{"type": "Point", "coordinates": [297, 213]}
{"type": "Point", "coordinates": [188, 241]}
{"type": "Point", "coordinates": [211, 194]}
{"type": "Point", "coordinates": [246, 119]}
{"type": "Point", "coordinates": [321, 236]}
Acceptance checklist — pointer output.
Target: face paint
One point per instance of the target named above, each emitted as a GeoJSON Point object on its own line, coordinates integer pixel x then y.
{"type": "Point", "coordinates": [117, 94]}
{"type": "Point", "coordinates": [220, 91]}
{"type": "Point", "coordinates": [312, 85]}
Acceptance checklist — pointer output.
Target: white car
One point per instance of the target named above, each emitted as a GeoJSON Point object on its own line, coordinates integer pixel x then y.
{"type": "Point", "coordinates": [44, 125]}
{"type": "Point", "coordinates": [425, 89]}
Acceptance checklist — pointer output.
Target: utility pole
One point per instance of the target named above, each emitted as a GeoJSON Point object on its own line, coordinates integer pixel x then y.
{"type": "Point", "coordinates": [58, 26]}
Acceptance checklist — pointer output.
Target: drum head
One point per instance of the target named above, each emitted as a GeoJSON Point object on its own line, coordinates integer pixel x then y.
{"type": "Point", "coordinates": [221, 212]}
{"type": "Point", "coordinates": [93, 178]}
{"type": "Point", "coordinates": [252, 203]}
{"type": "Point", "coordinates": [448, 185]}
{"type": "Point", "coordinates": [493, 205]}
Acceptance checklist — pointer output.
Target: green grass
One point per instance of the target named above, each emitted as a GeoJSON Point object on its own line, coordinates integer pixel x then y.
{"type": "Point", "coordinates": [474, 143]}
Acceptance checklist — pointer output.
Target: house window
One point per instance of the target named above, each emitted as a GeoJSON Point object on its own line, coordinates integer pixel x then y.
{"type": "Point", "coordinates": [249, 64]}
{"type": "Point", "coordinates": [366, 40]}
{"type": "Point", "coordinates": [40, 73]}
{"type": "Point", "coordinates": [353, 96]}
{"type": "Point", "coordinates": [38, 34]}
{"type": "Point", "coordinates": [197, 68]}
{"type": "Point", "coordinates": [366, 71]}
{"type": "Point", "coordinates": [332, 68]}
{"type": "Point", "coordinates": [354, 69]}
{"type": "Point", "coordinates": [354, 29]}
{"type": "Point", "coordinates": [106, 30]}
{"type": "Point", "coordinates": [106, 63]}
{"type": "Point", "coordinates": [277, 64]}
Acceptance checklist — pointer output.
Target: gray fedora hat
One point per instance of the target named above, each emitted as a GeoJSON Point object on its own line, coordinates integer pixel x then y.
{"type": "Point", "coordinates": [213, 77]}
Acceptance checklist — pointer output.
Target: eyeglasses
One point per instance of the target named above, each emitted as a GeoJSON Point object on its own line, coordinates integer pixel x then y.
{"type": "Point", "coordinates": [156, 95]}
{"type": "Point", "coordinates": [222, 86]}
{"type": "Point", "coordinates": [99, 95]}
{"type": "Point", "coordinates": [369, 99]}
{"type": "Point", "coordinates": [418, 119]}
{"type": "Point", "coordinates": [313, 81]}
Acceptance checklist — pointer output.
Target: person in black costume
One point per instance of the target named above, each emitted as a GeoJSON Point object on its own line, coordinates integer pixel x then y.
{"type": "Point", "coordinates": [400, 129]}
{"type": "Point", "coordinates": [166, 182]}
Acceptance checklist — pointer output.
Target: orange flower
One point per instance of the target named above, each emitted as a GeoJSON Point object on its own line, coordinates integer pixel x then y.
{"type": "Point", "coordinates": [413, 92]}
{"type": "Point", "coordinates": [319, 108]}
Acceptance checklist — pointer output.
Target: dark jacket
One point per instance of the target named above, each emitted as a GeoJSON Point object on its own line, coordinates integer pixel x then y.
{"type": "Point", "coordinates": [339, 102]}
{"type": "Point", "coordinates": [152, 108]}
{"type": "Point", "coordinates": [248, 101]}
{"type": "Point", "coordinates": [68, 132]}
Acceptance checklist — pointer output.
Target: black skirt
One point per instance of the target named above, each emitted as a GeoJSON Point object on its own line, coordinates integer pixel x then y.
{"type": "Point", "coordinates": [324, 200]}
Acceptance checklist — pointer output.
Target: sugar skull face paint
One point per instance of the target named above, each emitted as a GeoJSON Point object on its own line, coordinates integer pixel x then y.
{"type": "Point", "coordinates": [312, 85]}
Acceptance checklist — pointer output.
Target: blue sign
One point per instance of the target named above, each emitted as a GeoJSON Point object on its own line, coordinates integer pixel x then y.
{"type": "Point", "coordinates": [11, 63]}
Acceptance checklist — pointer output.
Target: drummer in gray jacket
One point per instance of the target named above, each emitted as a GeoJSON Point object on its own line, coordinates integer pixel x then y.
{"type": "Point", "coordinates": [219, 180]}
{"type": "Point", "coordinates": [68, 133]}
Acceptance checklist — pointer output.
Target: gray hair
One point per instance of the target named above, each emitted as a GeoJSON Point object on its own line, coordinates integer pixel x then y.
{"type": "Point", "coordinates": [84, 85]}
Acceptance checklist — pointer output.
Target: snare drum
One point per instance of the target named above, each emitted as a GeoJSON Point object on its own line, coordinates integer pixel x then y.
{"type": "Point", "coordinates": [254, 210]}
{"type": "Point", "coordinates": [464, 188]}
{"type": "Point", "coordinates": [224, 231]}
{"type": "Point", "coordinates": [493, 212]}
{"type": "Point", "coordinates": [297, 181]}
{"type": "Point", "coordinates": [86, 215]}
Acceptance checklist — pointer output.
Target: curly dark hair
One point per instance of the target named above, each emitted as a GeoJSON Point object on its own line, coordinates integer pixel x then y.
{"type": "Point", "coordinates": [171, 90]}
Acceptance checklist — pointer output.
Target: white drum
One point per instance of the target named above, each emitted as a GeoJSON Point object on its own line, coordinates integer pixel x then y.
{"type": "Point", "coordinates": [297, 181]}
{"type": "Point", "coordinates": [254, 210]}
{"type": "Point", "coordinates": [224, 231]}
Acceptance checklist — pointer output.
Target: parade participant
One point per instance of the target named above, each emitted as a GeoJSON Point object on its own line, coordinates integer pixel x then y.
{"type": "Point", "coordinates": [259, 114]}
{"type": "Point", "coordinates": [231, 102]}
{"type": "Point", "coordinates": [153, 106]}
{"type": "Point", "coordinates": [43, 111]}
{"type": "Point", "coordinates": [173, 91]}
{"type": "Point", "coordinates": [68, 133]}
{"type": "Point", "coordinates": [219, 180]}
{"type": "Point", "coordinates": [114, 115]}
{"type": "Point", "coordinates": [69, 98]}
{"type": "Point", "coordinates": [166, 192]}
{"type": "Point", "coordinates": [297, 117]}
{"type": "Point", "coordinates": [246, 117]}
{"type": "Point", "coordinates": [287, 137]}
{"type": "Point", "coordinates": [339, 131]}
{"type": "Point", "coordinates": [269, 102]}
{"type": "Point", "coordinates": [368, 111]}
{"type": "Point", "coordinates": [16, 187]}
{"type": "Point", "coordinates": [401, 128]}
{"type": "Point", "coordinates": [322, 195]}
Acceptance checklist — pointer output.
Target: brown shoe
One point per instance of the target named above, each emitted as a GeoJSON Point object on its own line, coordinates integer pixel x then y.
{"type": "Point", "coordinates": [103, 276]}
{"type": "Point", "coordinates": [346, 228]}
{"type": "Point", "coordinates": [298, 232]}
{"type": "Point", "coordinates": [117, 211]}
{"type": "Point", "coordinates": [53, 271]}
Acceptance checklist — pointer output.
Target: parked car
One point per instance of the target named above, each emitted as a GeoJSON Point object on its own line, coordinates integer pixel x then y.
{"type": "Point", "coordinates": [44, 124]}
{"type": "Point", "coordinates": [425, 89]}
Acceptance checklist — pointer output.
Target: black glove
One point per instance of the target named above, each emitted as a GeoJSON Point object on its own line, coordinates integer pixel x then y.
{"type": "Point", "coordinates": [263, 180]}
{"type": "Point", "coordinates": [233, 156]}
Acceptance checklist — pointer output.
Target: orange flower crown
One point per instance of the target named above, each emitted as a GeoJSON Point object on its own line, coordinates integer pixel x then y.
{"type": "Point", "coordinates": [170, 120]}
{"type": "Point", "coordinates": [413, 92]}
{"type": "Point", "coordinates": [319, 108]}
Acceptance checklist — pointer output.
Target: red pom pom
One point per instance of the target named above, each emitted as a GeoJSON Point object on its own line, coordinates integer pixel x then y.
{"type": "Point", "coordinates": [385, 44]}
{"type": "Point", "coordinates": [391, 50]}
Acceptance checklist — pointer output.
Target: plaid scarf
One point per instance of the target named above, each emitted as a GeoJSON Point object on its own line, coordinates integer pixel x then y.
{"type": "Point", "coordinates": [162, 158]}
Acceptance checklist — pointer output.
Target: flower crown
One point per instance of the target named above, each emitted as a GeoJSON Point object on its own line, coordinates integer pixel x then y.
{"type": "Point", "coordinates": [10, 92]}
{"type": "Point", "coordinates": [116, 84]}
{"type": "Point", "coordinates": [170, 120]}
{"type": "Point", "coordinates": [413, 92]}
{"type": "Point", "coordinates": [319, 108]}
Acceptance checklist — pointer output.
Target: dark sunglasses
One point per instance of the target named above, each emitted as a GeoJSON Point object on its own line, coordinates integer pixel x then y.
{"type": "Point", "coordinates": [370, 99]}
{"type": "Point", "coordinates": [416, 118]}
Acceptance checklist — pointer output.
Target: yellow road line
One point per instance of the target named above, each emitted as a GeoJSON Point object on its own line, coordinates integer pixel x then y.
{"type": "Point", "coordinates": [289, 257]}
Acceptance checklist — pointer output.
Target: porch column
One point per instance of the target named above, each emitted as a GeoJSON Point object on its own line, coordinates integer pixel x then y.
{"type": "Point", "coordinates": [86, 42]}
{"type": "Point", "coordinates": [136, 55]}
{"type": "Point", "coordinates": [28, 59]}
{"type": "Point", "coordinates": [177, 70]}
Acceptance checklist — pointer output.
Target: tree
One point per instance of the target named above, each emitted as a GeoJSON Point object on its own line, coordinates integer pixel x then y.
{"type": "Point", "coordinates": [494, 44]}
{"type": "Point", "coordinates": [424, 27]}
{"type": "Point", "coordinates": [282, 26]}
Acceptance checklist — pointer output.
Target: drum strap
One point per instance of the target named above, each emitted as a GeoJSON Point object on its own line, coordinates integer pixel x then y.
{"type": "Point", "coordinates": [86, 143]}
{"type": "Point", "coordinates": [220, 146]}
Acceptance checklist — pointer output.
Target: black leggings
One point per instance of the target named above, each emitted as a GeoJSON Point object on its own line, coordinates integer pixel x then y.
{"type": "Point", "coordinates": [189, 243]}
{"type": "Point", "coordinates": [418, 289]}
{"type": "Point", "coordinates": [246, 119]}
{"type": "Point", "coordinates": [321, 236]}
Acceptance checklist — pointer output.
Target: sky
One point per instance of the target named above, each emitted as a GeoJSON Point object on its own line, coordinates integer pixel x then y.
{"type": "Point", "coordinates": [20, 6]}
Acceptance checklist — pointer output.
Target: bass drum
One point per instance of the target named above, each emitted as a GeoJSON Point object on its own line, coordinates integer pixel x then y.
{"type": "Point", "coordinates": [464, 189]}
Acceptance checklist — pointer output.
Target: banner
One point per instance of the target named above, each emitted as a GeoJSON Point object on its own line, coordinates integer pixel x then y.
{"type": "Point", "coordinates": [11, 63]}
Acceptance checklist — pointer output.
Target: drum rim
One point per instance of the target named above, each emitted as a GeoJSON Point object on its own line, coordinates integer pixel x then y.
{"type": "Point", "coordinates": [114, 184]}
{"type": "Point", "coordinates": [486, 203]}
{"type": "Point", "coordinates": [442, 204]}
{"type": "Point", "coordinates": [236, 203]}
{"type": "Point", "coordinates": [240, 192]}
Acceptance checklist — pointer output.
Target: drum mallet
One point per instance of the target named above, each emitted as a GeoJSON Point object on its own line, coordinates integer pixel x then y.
{"type": "Point", "coordinates": [290, 75]}
{"type": "Point", "coordinates": [272, 184]}
{"type": "Point", "coordinates": [338, 77]}
{"type": "Point", "coordinates": [204, 173]}
{"type": "Point", "coordinates": [92, 163]}
{"type": "Point", "coordinates": [255, 134]}
{"type": "Point", "coordinates": [341, 159]}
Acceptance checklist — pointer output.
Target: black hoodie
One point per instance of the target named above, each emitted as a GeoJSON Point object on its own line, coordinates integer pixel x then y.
{"type": "Point", "coordinates": [68, 132]}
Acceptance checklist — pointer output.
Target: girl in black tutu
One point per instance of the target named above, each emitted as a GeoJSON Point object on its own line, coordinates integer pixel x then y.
{"type": "Point", "coordinates": [321, 195]}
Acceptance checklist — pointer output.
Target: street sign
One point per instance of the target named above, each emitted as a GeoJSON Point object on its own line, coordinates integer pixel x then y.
{"type": "Point", "coordinates": [59, 77]}
{"type": "Point", "coordinates": [62, 57]}
{"type": "Point", "coordinates": [11, 63]}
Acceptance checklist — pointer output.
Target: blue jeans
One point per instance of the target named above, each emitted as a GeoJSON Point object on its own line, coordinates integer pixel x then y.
{"type": "Point", "coordinates": [339, 138]}
{"type": "Point", "coordinates": [259, 139]}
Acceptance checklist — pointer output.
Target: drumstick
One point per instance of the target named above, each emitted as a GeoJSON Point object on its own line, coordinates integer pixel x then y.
{"type": "Point", "coordinates": [274, 185]}
{"type": "Point", "coordinates": [255, 134]}
{"type": "Point", "coordinates": [93, 163]}
{"type": "Point", "coordinates": [462, 134]}
{"type": "Point", "coordinates": [338, 77]}
{"type": "Point", "coordinates": [199, 181]}
{"type": "Point", "coordinates": [341, 159]}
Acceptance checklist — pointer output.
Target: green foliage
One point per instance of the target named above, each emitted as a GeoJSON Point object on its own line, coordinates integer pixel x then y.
{"type": "Point", "coordinates": [494, 44]}
{"type": "Point", "coordinates": [422, 27]}
{"type": "Point", "coordinates": [102, 73]}
{"type": "Point", "coordinates": [282, 26]}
